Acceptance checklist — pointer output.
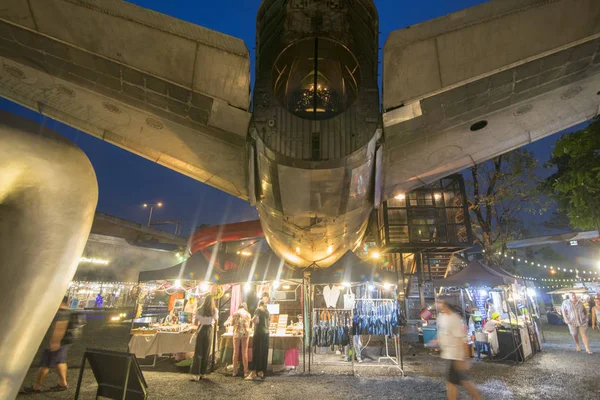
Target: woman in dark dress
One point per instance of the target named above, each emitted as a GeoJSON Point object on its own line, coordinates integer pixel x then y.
{"type": "Point", "coordinates": [260, 341]}
{"type": "Point", "coordinates": [206, 317]}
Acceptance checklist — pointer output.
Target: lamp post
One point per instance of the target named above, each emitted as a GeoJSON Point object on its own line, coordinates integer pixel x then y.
{"type": "Point", "coordinates": [146, 205]}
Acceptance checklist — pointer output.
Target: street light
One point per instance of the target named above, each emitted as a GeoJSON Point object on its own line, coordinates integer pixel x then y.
{"type": "Point", "coordinates": [152, 205]}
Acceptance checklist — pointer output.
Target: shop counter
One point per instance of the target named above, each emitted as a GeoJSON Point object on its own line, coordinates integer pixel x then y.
{"type": "Point", "coordinates": [283, 350]}
{"type": "Point", "coordinates": [161, 343]}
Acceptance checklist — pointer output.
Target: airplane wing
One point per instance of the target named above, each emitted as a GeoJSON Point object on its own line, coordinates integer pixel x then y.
{"type": "Point", "coordinates": [173, 92]}
{"type": "Point", "coordinates": [464, 88]}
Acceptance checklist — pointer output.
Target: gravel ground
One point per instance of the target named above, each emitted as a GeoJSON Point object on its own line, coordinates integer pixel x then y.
{"type": "Point", "coordinates": [557, 373]}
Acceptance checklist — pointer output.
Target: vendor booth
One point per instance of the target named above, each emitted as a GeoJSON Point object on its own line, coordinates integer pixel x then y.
{"type": "Point", "coordinates": [499, 310]}
{"type": "Point", "coordinates": [354, 316]}
{"type": "Point", "coordinates": [165, 309]}
{"type": "Point", "coordinates": [268, 273]}
{"type": "Point", "coordinates": [85, 295]}
{"type": "Point", "coordinates": [168, 298]}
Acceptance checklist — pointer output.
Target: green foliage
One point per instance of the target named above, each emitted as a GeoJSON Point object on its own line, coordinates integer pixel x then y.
{"type": "Point", "coordinates": [576, 183]}
{"type": "Point", "coordinates": [500, 192]}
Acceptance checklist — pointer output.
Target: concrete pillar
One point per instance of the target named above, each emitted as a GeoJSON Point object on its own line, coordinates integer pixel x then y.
{"type": "Point", "coordinates": [48, 195]}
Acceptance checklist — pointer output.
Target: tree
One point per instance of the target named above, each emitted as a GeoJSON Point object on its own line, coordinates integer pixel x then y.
{"type": "Point", "coordinates": [502, 190]}
{"type": "Point", "coordinates": [576, 183]}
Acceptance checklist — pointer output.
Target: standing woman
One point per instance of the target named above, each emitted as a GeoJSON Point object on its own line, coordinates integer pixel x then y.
{"type": "Point", "coordinates": [241, 336]}
{"type": "Point", "coordinates": [596, 314]}
{"type": "Point", "coordinates": [206, 316]}
{"type": "Point", "coordinates": [260, 341]}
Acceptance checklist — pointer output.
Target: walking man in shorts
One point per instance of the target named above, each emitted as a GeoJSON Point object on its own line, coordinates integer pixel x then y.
{"type": "Point", "coordinates": [55, 354]}
{"type": "Point", "coordinates": [576, 318]}
{"type": "Point", "coordinates": [452, 339]}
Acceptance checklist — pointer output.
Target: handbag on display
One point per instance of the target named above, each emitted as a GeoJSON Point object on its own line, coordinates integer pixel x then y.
{"type": "Point", "coordinates": [349, 299]}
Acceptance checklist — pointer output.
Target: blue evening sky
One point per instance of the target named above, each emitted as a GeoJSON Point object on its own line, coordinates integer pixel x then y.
{"type": "Point", "coordinates": [126, 180]}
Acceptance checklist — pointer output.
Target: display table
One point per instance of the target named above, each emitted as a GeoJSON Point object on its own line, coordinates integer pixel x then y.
{"type": "Point", "coordinates": [283, 350]}
{"type": "Point", "coordinates": [161, 343]}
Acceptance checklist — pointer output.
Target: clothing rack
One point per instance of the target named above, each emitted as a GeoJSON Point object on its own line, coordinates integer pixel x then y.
{"type": "Point", "coordinates": [313, 314]}
{"type": "Point", "coordinates": [396, 338]}
{"type": "Point", "coordinates": [388, 300]}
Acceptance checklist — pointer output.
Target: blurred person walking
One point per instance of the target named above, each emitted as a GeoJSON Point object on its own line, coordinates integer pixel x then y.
{"type": "Point", "coordinates": [58, 340]}
{"type": "Point", "coordinates": [452, 339]}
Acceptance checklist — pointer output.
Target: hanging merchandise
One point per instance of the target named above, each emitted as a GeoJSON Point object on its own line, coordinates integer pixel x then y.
{"type": "Point", "coordinates": [375, 317]}
{"type": "Point", "coordinates": [331, 295]}
{"type": "Point", "coordinates": [331, 327]}
{"type": "Point", "coordinates": [349, 299]}
{"type": "Point", "coordinates": [236, 299]}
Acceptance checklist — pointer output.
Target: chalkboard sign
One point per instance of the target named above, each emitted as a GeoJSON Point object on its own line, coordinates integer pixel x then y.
{"type": "Point", "coordinates": [118, 375]}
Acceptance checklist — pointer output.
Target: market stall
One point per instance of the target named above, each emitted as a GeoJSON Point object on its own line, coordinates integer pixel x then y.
{"type": "Point", "coordinates": [483, 292]}
{"type": "Point", "coordinates": [85, 295]}
{"type": "Point", "coordinates": [268, 273]}
{"type": "Point", "coordinates": [354, 316]}
{"type": "Point", "coordinates": [165, 310]}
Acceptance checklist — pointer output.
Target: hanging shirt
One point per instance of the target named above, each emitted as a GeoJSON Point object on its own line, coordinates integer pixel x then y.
{"type": "Point", "coordinates": [349, 300]}
{"type": "Point", "coordinates": [574, 314]}
{"type": "Point", "coordinates": [331, 295]}
{"type": "Point", "coordinates": [451, 336]}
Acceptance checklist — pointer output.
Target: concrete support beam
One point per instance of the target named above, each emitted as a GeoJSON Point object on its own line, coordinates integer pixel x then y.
{"type": "Point", "coordinates": [48, 196]}
{"type": "Point", "coordinates": [168, 90]}
{"type": "Point", "coordinates": [435, 55]}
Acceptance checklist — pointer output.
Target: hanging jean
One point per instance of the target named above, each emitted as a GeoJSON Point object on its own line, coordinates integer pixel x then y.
{"type": "Point", "coordinates": [260, 351]}
{"type": "Point", "coordinates": [200, 362]}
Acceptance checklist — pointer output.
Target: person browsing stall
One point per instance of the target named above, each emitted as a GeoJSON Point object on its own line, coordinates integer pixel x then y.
{"type": "Point", "coordinates": [260, 341]}
{"type": "Point", "coordinates": [490, 328]}
{"type": "Point", "coordinates": [240, 322]}
{"type": "Point", "coordinates": [206, 317]}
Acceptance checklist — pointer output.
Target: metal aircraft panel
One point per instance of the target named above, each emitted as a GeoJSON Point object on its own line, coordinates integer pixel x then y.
{"type": "Point", "coordinates": [464, 88]}
{"type": "Point", "coordinates": [170, 91]}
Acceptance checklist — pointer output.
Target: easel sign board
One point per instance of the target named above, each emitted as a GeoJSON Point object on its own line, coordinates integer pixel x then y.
{"type": "Point", "coordinates": [118, 375]}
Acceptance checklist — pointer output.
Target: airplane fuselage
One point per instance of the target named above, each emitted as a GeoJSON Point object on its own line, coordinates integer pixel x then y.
{"type": "Point", "coordinates": [315, 126]}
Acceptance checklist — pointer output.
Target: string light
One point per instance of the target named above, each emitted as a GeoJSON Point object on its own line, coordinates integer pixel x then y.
{"type": "Point", "coordinates": [591, 272]}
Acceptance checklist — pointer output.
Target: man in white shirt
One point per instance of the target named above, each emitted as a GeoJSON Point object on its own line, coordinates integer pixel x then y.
{"type": "Point", "coordinates": [452, 339]}
{"type": "Point", "coordinates": [576, 318]}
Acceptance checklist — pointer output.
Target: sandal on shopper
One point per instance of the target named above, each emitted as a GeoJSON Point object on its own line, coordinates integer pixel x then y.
{"type": "Point", "coordinates": [251, 376]}
{"type": "Point", "coordinates": [590, 352]}
{"type": "Point", "coordinates": [58, 388]}
{"type": "Point", "coordinates": [29, 390]}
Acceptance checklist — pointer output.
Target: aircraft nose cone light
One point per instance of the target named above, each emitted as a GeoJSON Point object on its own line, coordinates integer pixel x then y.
{"type": "Point", "coordinates": [316, 78]}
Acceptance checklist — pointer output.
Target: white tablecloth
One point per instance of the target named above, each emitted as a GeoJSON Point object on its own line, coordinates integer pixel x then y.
{"type": "Point", "coordinates": [161, 343]}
